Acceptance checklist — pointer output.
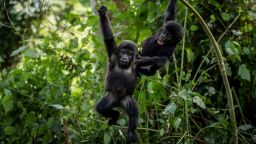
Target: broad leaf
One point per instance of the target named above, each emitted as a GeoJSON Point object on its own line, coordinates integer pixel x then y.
{"type": "Point", "coordinates": [9, 130]}
{"type": "Point", "coordinates": [170, 109]}
{"type": "Point", "coordinates": [193, 28]}
{"type": "Point", "coordinates": [190, 55]}
{"type": "Point", "coordinates": [244, 73]}
{"type": "Point", "coordinates": [225, 16]}
{"type": "Point", "coordinates": [30, 118]}
{"type": "Point", "coordinates": [197, 100]}
{"type": "Point", "coordinates": [7, 101]}
{"type": "Point", "coordinates": [176, 122]}
{"type": "Point", "coordinates": [32, 53]}
{"type": "Point", "coordinates": [184, 94]}
{"type": "Point", "coordinates": [107, 138]}
{"type": "Point", "coordinates": [161, 132]}
{"type": "Point", "coordinates": [18, 51]}
{"type": "Point", "coordinates": [245, 127]}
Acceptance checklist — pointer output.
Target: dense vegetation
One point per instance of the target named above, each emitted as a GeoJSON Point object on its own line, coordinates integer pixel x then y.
{"type": "Point", "coordinates": [52, 66]}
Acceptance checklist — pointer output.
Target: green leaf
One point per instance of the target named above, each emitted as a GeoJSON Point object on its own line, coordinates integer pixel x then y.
{"type": "Point", "coordinates": [30, 118]}
{"type": "Point", "coordinates": [197, 100]}
{"type": "Point", "coordinates": [122, 122]}
{"type": "Point", "coordinates": [1, 59]}
{"type": "Point", "coordinates": [32, 53]}
{"type": "Point", "coordinates": [176, 122]}
{"type": "Point", "coordinates": [7, 92]}
{"type": "Point", "coordinates": [9, 130]}
{"type": "Point", "coordinates": [245, 127]}
{"type": "Point", "coordinates": [184, 94]}
{"type": "Point", "coordinates": [190, 55]}
{"type": "Point", "coordinates": [193, 28]}
{"type": "Point", "coordinates": [74, 42]}
{"type": "Point", "coordinates": [57, 106]}
{"type": "Point", "coordinates": [231, 48]}
{"type": "Point", "coordinates": [246, 50]}
{"type": "Point", "coordinates": [211, 91]}
{"type": "Point", "coordinates": [244, 73]}
{"type": "Point", "coordinates": [161, 132]}
{"type": "Point", "coordinates": [213, 19]}
{"type": "Point", "coordinates": [20, 104]}
{"type": "Point", "coordinates": [107, 138]}
{"type": "Point", "coordinates": [254, 138]}
{"type": "Point", "coordinates": [166, 79]}
{"type": "Point", "coordinates": [150, 87]}
{"type": "Point", "coordinates": [170, 109]}
{"type": "Point", "coordinates": [7, 101]}
{"type": "Point", "coordinates": [18, 51]}
{"type": "Point", "coordinates": [225, 16]}
{"type": "Point", "coordinates": [228, 69]}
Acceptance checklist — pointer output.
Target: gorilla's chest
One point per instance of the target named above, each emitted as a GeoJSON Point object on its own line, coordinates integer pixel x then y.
{"type": "Point", "coordinates": [119, 75]}
{"type": "Point", "coordinates": [121, 79]}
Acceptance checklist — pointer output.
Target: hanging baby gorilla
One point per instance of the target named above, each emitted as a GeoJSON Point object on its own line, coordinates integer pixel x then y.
{"type": "Point", "coordinates": [164, 42]}
{"type": "Point", "coordinates": [121, 77]}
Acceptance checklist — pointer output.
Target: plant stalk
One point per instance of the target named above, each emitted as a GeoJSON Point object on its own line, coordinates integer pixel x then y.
{"type": "Point", "coordinates": [183, 47]}
{"type": "Point", "coordinates": [222, 70]}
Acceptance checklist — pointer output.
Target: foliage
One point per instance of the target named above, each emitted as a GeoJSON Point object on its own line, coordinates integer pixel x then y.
{"type": "Point", "coordinates": [16, 26]}
{"type": "Point", "coordinates": [49, 97]}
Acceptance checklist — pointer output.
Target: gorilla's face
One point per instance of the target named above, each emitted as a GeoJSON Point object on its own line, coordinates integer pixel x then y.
{"type": "Point", "coordinates": [164, 36]}
{"type": "Point", "coordinates": [125, 57]}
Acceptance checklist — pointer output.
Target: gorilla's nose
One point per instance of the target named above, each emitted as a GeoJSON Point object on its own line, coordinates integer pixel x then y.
{"type": "Point", "coordinates": [125, 58]}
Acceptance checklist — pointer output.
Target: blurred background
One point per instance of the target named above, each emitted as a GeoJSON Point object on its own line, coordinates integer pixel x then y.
{"type": "Point", "coordinates": [53, 61]}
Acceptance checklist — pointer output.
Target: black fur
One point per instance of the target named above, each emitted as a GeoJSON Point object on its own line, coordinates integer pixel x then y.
{"type": "Point", "coordinates": [164, 42]}
{"type": "Point", "coordinates": [121, 77]}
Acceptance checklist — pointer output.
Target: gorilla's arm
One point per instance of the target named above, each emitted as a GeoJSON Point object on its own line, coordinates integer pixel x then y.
{"type": "Point", "coordinates": [170, 13]}
{"type": "Point", "coordinates": [150, 61]}
{"type": "Point", "coordinates": [149, 65]}
{"type": "Point", "coordinates": [106, 31]}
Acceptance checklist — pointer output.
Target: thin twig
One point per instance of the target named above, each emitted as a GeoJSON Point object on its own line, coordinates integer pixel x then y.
{"type": "Point", "coordinates": [182, 137]}
{"type": "Point", "coordinates": [6, 25]}
{"type": "Point", "coordinates": [7, 14]}
{"type": "Point", "coordinates": [54, 14]}
{"type": "Point", "coordinates": [223, 34]}
{"type": "Point", "coordinates": [176, 67]}
{"type": "Point", "coordinates": [202, 75]}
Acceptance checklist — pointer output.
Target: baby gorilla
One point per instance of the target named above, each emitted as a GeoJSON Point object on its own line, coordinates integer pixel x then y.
{"type": "Point", "coordinates": [164, 42]}
{"type": "Point", "coordinates": [121, 77]}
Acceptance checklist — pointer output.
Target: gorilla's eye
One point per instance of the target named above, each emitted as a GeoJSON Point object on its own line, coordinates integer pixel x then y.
{"type": "Point", "coordinates": [165, 31]}
{"type": "Point", "coordinates": [129, 52]}
{"type": "Point", "coordinates": [124, 51]}
{"type": "Point", "coordinates": [169, 36]}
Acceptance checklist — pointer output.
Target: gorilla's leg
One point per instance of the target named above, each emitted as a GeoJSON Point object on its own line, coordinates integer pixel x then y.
{"type": "Point", "coordinates": [105, 108]}
{"type": "Point", "coordinates": [131, 108]}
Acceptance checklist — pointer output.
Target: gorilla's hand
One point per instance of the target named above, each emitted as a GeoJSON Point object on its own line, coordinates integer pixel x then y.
{"type": "Point", "coordinates": [102, 11]}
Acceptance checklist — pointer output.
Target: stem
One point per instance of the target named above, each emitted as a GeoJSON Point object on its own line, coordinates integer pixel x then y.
{"type": "Point", "coordinates": [238, 103]}
{"type": "Point", "coordinates": [187, 120]}
{"type": "Point", "coordinates": [176, 67]}
{"type": "Point", "coordinates": [222, 71]}
{"type": "Point", "coordinates": [181, 75]}
{"type": "Point", "coordinates": [183, 47]}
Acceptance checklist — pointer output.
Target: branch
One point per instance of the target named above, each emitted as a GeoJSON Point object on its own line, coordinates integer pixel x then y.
{"type": "Point", "coordinates": [8, 16]}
